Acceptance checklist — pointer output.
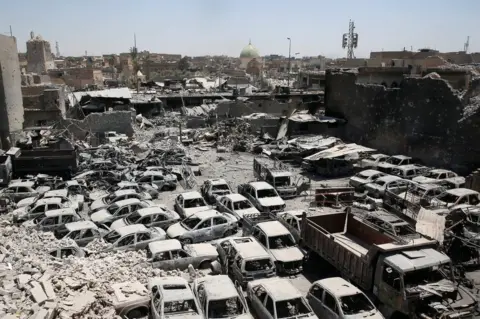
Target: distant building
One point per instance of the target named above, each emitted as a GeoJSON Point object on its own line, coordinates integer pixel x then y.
{"type": "Point", "coordinates": [250, 60]}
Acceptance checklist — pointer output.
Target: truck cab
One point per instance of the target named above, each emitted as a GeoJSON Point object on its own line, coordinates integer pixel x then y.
{"type": "Point", "coordinates": [276, 175]}
{"type": "Point", "coordinates": [244, 260]}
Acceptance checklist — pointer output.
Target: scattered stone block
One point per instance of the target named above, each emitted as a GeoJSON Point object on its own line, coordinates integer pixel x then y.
{"type": "Point", "coordinates": [22, 280]}
{"type": "Point", "coordinates": [48, 288]}
{"type": "Point", "coordinates": [37, 293]}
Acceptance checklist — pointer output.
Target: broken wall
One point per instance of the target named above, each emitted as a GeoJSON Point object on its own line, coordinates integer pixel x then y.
{"type": "Point", "coordinates": [423, 118]}
{"type": "Point", "coordinates": [239, 108]}
{"type": "Point", "coordinates": [94, 123]}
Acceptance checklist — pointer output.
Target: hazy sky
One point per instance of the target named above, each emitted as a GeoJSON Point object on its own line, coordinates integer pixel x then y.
{"type": "Point", "coordinates": [201, 27]}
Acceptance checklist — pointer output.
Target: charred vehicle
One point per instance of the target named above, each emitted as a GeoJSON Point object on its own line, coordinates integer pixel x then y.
{"type": "Point", "coordinates": [263, 196]}
{"type": "Point", "coordinates": [212, 188]}
{"type": "Point", "coordinates": [408, 278]}
{"type": "Point", "coordinates": [276, 175]}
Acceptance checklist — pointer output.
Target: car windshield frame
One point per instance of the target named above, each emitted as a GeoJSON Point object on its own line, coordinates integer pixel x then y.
{"type": "Point", "coordinates": [355, 304]}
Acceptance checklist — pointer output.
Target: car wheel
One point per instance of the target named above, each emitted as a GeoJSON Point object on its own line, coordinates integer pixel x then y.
{"type": "Point", "coordinates": [205, 265]}
{"type": "Point", "coordinates": [186, 241]}
{"type": "Point", "coordinates": [229, 232]}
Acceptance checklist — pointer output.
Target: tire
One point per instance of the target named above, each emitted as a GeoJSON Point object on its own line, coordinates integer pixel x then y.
{"type": "Point", "coordinates": [205, 265]}
{"type": "Point", "coordinates": [186, 241]}
{"type": "Point", "coordinates": [229, 232]}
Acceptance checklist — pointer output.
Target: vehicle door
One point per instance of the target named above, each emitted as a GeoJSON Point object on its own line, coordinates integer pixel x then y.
{"type": "Point", "coordinates": [49, 223]}
{"type": "Point", "coordinates": [330, 306]}
{"type": "Point", "coordinates": [258, 298]}
{"type": "Point", "coordinates": [315, 299]}
{"type": "Point", "coordinates": [87, 236]}
{"type": "Point", "coordinates": [64, 219]}
{"type": "Point", "coordinates": [219, 226]}
{"type": "Point", "coordinates": [262, 238]}
{"type": "Point", "coordinates": [223, 207]}
{"type": "Point", "coordinates": [389, 291]}
{"type": "Point", "coordinates": [142, 239]}
{"type": "Point", "coordinates": [37, 211]}
{"type": "Point", "coordinates": [410, 173]}
{"type": "Point", "coordinates": [11, 193]}
{"type": "Point", "coordinates": [121, 212]}
{"type": "Point", "coordinates": [156, 303]}
{"type": "Point", "coordinates": [146, 220]}
{"type": "Point", "coordinates": [163, 260]}
{"type": "Point", "coordinates": [161, 220]}
{"type": "Point", "coordinates": [23, 192]}
{"type": "Point", "coordinates": [236, 269]}
{"type": "Point", "coordinates": [181, 259]}
{"type": "Point", "coordinates": [127, 242]}
{"type": "Point", "coordinates": [203, 231]}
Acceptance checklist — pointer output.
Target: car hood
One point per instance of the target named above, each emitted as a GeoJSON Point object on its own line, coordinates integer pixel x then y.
{"type": "Point", "coordinates": [374, 314]}
{"type": "Point", "coordinates": [386, 165]}
{"type": "Point", "coordinates": [271, 201]}
{"type": "Point", "coordinates": [118, 223]}
{"type": "Point", "coordinates": [251, 210]}
{"type": "Point", "coordinates": [101, 216]}
{"type": "Point", "coordinates": [438, 202]}
{"type": "Point", "coordinates": [287, 254]}
{"type": "Point", "coordinates": [190, 211]}
{"type": "Point", "coordinates": [26, 201]}
{"type": "Point", "coordinates": [176, 230]}
{"type": "Point", "coordinates": [97, 204]}
{"type": "Point", "coordinates": [424, 180]}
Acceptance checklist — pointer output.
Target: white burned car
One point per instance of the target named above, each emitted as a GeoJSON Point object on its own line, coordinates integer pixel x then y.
{"type": "Point", "coordinates": [364, 177]}
{"type": "Point", "coordinates": [55, 220]}
{"type": "Point", "coordinates": [277, 298]}
{"type": "Point", "coordinates": [118, 210]}
{"type": "Point", "coordinates": [186, 204]}
{"type": "Point", "coordinates": [133, 237]}
{"type": "Point", "coordinates": [457, 196]}
{"type": "Point", "coordinates": [434, 176]}
{"type": "Point", "coordinates": [82, 232]}
{"type": "Point", "coordinates": [337, 298]}
{"type": "Point", "coordinates": [212, 188]}
{"type": "Point", "coordinates": [235, 204]}
{"type": "Point", "coordinates": [263, 196]}
{"type": "Point", "coordinates": [117, 196]}
{"type": "Point", "coordinates": [154, 216]}
{"type": "Point", "coordinates": [377, 188]}
{"type": "Point", "coordinates": [38, 209]}
{"type": "Point", "coordinates": [74, 201]}
{"type": "Point", "coordinates": [218, 297]}
{"type": "Point", "coordinates": [170, 254]}
{"type": "Point", "coordinates": [281, 245]}
{"type": "Point", "coordinates": [172, 298]}
{"type": "Point", "coordinates": [203, 226]}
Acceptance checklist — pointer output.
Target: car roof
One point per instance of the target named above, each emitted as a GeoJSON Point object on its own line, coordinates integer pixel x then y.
{"type": "Point", "coordinates": [402, 157]}
{"type": "Point", "coordinates": [191, 195]}
{"type": "Point", "coordinates": [235, 197]}
{"type": "Point", "coordinates": [409, 166]}
{"type": "Point", "coordinates": [58, 212]}
{"type": "Point", "coordinates": [22, 184]}
{"type": "Point", "coordinates": [49, 200]}
{"type": "Point", "coordinates": [280, 288]}
{"type": "Point", "coordinates": [250, 250]}
{"type": "Point", "coordinates": [207, 213]}
{"type": "Point", "coordinates": [261, 185]}
{"type": "Point", "coordinates": [378, 155]}
{"type": "Point", "coordinates": [338, 286]}
{"type": "Point", "coordinates": [388, 178]}
{"type": "Point", "coordinates": [218, 287]}
{"type": "Point", "coordinates": [218, 181]}
{"type": "Point", "coordinates": [152, 173]}
{"type": "Point", "coordinates": [71, 183]}
{"type": "Point", "coordinates": [370, 172]}
{"type": "Point", "coordinates": [56, 193]}
{"type": "Point", "coordinates": [151, 210]}
{"type": "Point", "coordinates": [122, 192]}
{"type": "Point", "coordinates": [440, 170]}
{"type": "Point", "coordinates": [127, 183]}
{"type": "Point", "coordinates": [131, 229]}
{"type": "Point", "coordinates": [273, 228]}
{"type": "Point", "coordinates": [128, 201]}
{"type": "Point", "coordinates": [164, 245]}
{"type": "Point", "coordinates": [461, 191]}
{"type": "Point", "coordinates": [174, 293]}
{"type": "Point", "coordinates": [80, 225]}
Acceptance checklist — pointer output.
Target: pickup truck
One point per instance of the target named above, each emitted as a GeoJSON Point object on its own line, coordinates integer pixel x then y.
{"type": "Point", "coordinates": [277, 240]}
{"type": "Point", "coordinates": [406, 278]}
{"type": "Point", "coordinates": [263, 196]}
{"type": "Point", "coordinates": [276, 174]}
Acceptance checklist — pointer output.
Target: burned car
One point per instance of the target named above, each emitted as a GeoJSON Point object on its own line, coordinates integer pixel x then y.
{"type": "Point", "coordinates": [189, 203]}
{"type": "Point", "coordinates": [212, 188]}
{"type": "Point", "coordinates": [133, 237]}
{"type": "Point", "coordinates": [116, 197]}
{"type": "Point", "coordinates": [82, 232]}
{"type": "Point", "coordinates": [154, 216]}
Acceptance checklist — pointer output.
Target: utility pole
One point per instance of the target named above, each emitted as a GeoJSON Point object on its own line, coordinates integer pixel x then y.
{"type": "Point", "coordinates": [57, 47]}
{"type": "Point", "coordinates": [289, 59]}
{"type": "Point", "coordinates": [11, 33]}
{"type": "Point", "coordinates": [350, 40]}
{"type": "Point", "coordinates": [466, 45]}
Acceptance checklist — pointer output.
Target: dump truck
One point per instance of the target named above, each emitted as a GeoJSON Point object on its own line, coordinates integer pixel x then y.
{"type": "Point", "coordinates": [276, 174]}
{"type": "Point", "coordinates": [408, 278]}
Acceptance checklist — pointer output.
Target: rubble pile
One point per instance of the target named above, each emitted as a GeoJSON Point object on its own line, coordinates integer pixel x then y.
{"type": "Point", "coordinates": [36, 285]}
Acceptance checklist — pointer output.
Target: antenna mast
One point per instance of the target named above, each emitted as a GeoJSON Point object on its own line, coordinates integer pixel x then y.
{"type": "Point", "coordinates": [57, 48]}
{"type": "Point", "coordinates": [466, 45]}
{"type": "Point", "coordinates": [350, 40]}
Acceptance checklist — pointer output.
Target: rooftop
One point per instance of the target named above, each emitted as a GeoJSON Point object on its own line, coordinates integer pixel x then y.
{"type": "Point", "coordinates": [261, 185]}
{"type": "Point", "coordinates": [273, 228]}
{"type": "Point", "coordinates": [218, 287]}
{"type": "Point", "coordinates": [131, 229]}
{"type": "Point", "coordinates": [338, 286]}
{"type": "Point", "coordinates": [123, 192]}
{"type": "Point", "coordinates": [48, 200]}
{"type": "Point", "coordinates": [151, 210]}
{"type": "Point", "coordinates": [56, 193]}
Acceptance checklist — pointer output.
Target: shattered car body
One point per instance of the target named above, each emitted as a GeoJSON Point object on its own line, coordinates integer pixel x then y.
{"type": "Point", "coordinates": [38, 209]}
{"type": "Point", "coordinates": [159, 179]}
{"type": "Point", "coordinates": [17, 191]}
{"type": "Point", "coordinates": [364, 177]}
{"type": "Point", "coordinates": [75, 201]}
{"type": "Point", "coordinates": [118, 210]}
{"type": "Point", "coordinates": [169, 254]}
{"type": "Point", "coordinates": [131, 300]}
{"type": "Point", "coordinates": [189, 203]}
{"type": "Point", "coordinates": [219, 298]}
{"type": "Point", "coordinates": [203, 226]}
{"type": "Point", "coordinates": [172, 297]}
{"type": "Point", "coordinates": [133, 237]}
{"type": "Point", "coordinates": [235, 204]}
{"type": "Point", "coordinates": [116, 197]}
{"type": "Point", "coordinates": [263, 196]}
{"type": "Point", "coordinates": [378, 187]}
{"type": "Point", "coordinates": [434, 176]}
{"type": "Point", "coordinates": [151, 189]}
{"type": "Point", "coordinates": [393, 162]}
{"type": "Point", "coordinates": [456, 196]}
{"type": "Point", "coordinates": [55, 220]}
{"type": "Point", "coordinates": [373, 160]}
{"type": "Point", "coordinates": [155, 216]}
{"type": "Point", "coordinates": [82, 232]}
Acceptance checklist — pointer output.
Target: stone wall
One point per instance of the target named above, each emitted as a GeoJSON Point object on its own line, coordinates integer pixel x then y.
{"type": "Point", "coordinates": [424, 118]}
{"type": "Point", "coordinates": [120, 122]}
{"type": "Point", "coordinates": [240, 108]}
{"type": "Point", "coordinates": [11, 108]}
{"type": "Point", "coordinates": [43, 105]}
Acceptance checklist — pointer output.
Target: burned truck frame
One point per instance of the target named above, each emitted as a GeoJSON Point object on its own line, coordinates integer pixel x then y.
{"type": "Point", "coordinates": [409, 278]}
{"type": "Point", "coordinates": [276, 174]}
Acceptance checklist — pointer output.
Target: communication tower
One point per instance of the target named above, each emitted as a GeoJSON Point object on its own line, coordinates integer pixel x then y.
{"type": "Point", "coordinates": [350, 40]}
{"type": "Point", "coordinates": [57, 48]}
{"type": "Point", "coordinates": [466, 45]}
